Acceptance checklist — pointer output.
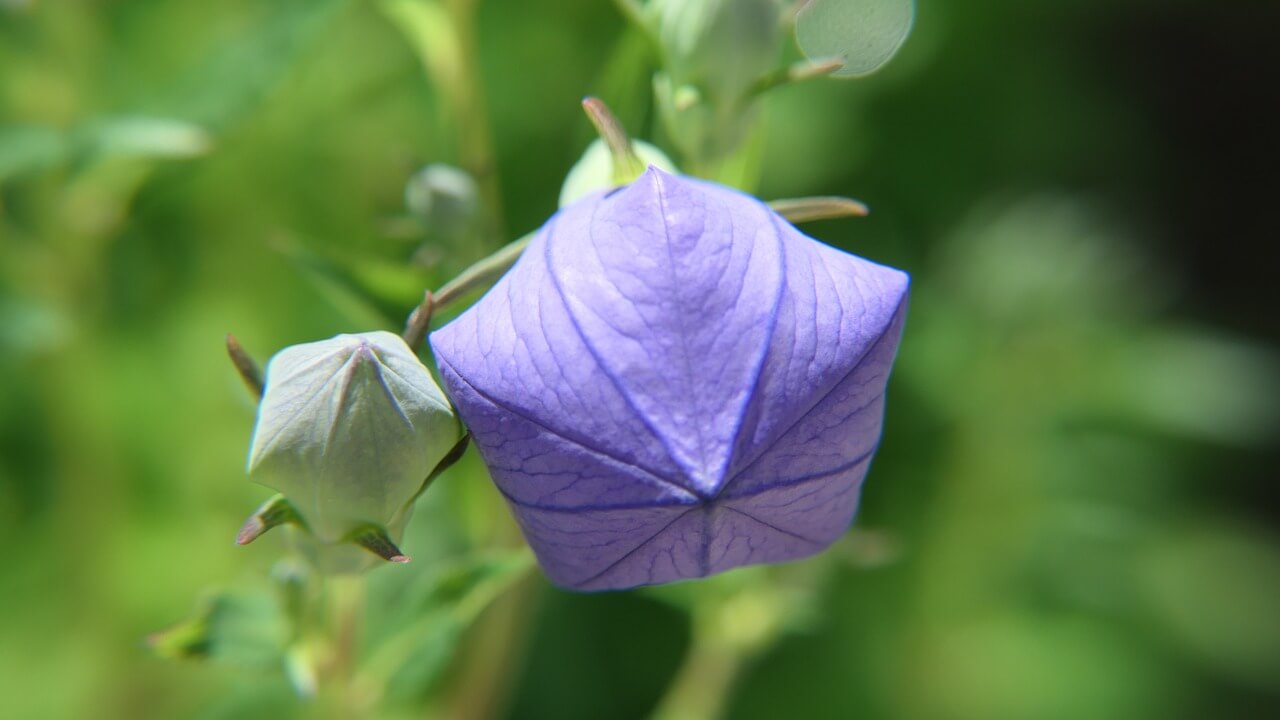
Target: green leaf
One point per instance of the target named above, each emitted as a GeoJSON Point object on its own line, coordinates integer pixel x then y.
{"type": "Point", "coordinates": [241, 629]}
{"type": "Point", "coordinates": [337, 283]}
{"type": "Point", "coordinates": [434, 37]}
{"type": "Point", "coordinates": [36, 148]}
{"type": "Point", "coordinates": [422, 637]}
{"type": "Point", "coordinates": [1213, 588]}
{"type": "Point", "coordinates": [241, 74]}
{"type": "Point", "coordinates": [148, 137]}
{"type": "Point", "coordinates": [26, 148]}
{"type": "Point", "coordinates": [863, 33]}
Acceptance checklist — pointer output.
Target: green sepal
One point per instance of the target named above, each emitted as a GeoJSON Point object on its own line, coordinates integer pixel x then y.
{"type": "Point", "coordinates": [274, 512]}
{"type": "Point", "coordinates": [375, 539]}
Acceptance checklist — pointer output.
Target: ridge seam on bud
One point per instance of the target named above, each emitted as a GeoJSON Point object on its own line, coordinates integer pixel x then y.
{"type": "Point", "coordinates": [578, 442]}
{"type": "Point", "coordinates": [638, 548]}
{"type": "Point", "coordinates": [604, 370]}
{"type": "Point", "coordinates": [897, 320]}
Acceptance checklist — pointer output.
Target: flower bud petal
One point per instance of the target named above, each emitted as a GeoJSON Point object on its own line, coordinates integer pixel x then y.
{"type": "Point", "coordinates": [348, 430]}
{"type": "Point", "coordinates": [673, 381]}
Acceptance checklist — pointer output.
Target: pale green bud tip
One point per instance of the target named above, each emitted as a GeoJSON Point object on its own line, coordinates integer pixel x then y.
{"type": "Point", "coordinates": [348, 430]}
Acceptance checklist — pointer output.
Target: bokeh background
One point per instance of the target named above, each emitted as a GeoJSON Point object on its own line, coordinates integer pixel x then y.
{"type": "Point", "coordinates": [1073, 512]}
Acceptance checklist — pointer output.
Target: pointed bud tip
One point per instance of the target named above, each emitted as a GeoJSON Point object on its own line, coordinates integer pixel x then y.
{"type": "Point", "coordinates": [250, 531]}
{"type": "Point", "coordinates": [273, 512]}
{"type": "Point", "coordinates": [249, 371]}
{"type": "Point", "coordinates": [375, 540]}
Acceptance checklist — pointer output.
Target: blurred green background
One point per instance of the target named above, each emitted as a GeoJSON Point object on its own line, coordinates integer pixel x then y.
{"type": "Point", "coordinates": [1073, 512]}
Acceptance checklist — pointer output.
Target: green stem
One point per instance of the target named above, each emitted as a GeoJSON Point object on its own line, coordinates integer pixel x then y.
{"type": "Point", "coordinates": [245, 365]}
{"type": "Point", "coordinates": [633, 11]}
{"type": "Point", "coordinates": [492, 661]}
{"type": "Point", "coordinates": [443, 37]}
{"type": "Point", "coordinates": [393, 653]}
{"type": "Point", "coordinates": [702, 686]}
{"type": "Point", "coordinates": [480, 274]}
{"type": "Point", "coordinates": [626, 164]}
{"type": "Point", "coordinates": [798, 72]}
{"type": "Point", "coordinates": [345, 600]}
{"type": "Point", "coordinates": [475, 136]}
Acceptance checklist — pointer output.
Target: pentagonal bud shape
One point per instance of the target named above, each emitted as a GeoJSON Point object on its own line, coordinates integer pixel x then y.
{"type": "Point", "coordinates": [348, 430]}
{"type": "Point", "coordinates": [673, 381]}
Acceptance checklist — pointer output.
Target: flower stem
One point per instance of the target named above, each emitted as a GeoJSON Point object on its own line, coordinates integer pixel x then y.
{"type": "Point", "coordinates": [633, 11]}
{"type": "Point", "coordinates": [475, 138]}
{"type": "Point", "coordinates": [345, 600]}
{"type": "Point", "coordinates": [483, 272]}
{"type": "Point", "coordinates": [492, 660]}
{"type": "Point", "coordinates": [442, 33]}
{"type": "Point", "coordinates": [249, 371]}
{"type": "Point", "coordinates": [702, 686]}
{"type": "Point", "coordinates": [626, 164]}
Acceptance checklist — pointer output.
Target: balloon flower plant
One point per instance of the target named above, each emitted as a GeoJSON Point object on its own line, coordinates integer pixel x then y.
{"type": "Point", "coordinates": [666, 381]}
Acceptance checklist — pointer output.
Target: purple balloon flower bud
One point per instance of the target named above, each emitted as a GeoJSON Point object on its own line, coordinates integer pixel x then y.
{"type": "Point", "coordinates": [673, 381]}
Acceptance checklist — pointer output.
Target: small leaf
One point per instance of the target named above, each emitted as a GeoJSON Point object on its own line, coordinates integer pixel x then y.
{"type": "Point", "coordinates": [151, 137]}
{"type": "Point", "coordinates": [25, 149]}
{"type": "Point", "coordinates": [1213, 587]}
{"type": "Point", "coordinates": [797, 210]}
{"type": "Point", "coordinates": [418, 642]}
{"type": "Point", "coordinates": [243, 629]}
{"type": "Point", "coordinates": [240, 75]}
{"type": "Point", "coordinates": [865, 34]}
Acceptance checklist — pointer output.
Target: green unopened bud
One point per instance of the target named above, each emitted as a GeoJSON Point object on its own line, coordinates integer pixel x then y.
{"type": "Point", "coordinates": [594, 170]}
{"type": "Point", "coordinates": [348, 431]}
{"type": "Point", "coordinates": [445, 198]}
{"type": "Point", "coordinates": [721, 47]}
{"type": "Point", "coordinates": [715, 55]}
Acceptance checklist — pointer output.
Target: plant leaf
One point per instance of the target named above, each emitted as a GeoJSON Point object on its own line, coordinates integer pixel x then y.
{"type": "Point", "coordinates": [863, 33]}
{"type": "Point", "coordinates": [242, 629]}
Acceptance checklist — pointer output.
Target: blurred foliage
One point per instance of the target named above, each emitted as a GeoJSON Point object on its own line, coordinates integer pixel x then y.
{"type": "Point", "coordinates": [1072, 512]}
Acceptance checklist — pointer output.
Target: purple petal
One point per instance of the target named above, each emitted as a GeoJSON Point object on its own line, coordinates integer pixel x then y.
{"type": "Point", "coordinates": [673, 381]}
